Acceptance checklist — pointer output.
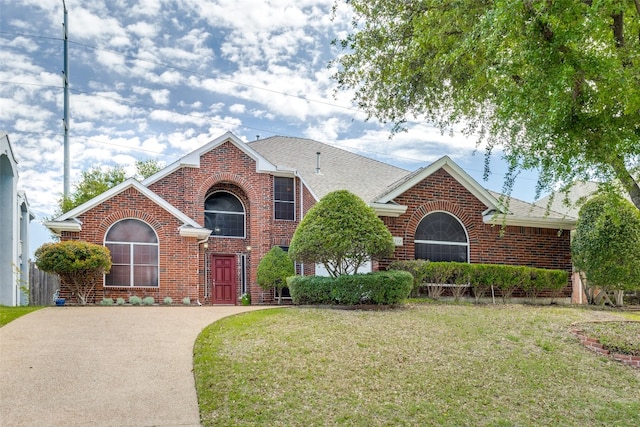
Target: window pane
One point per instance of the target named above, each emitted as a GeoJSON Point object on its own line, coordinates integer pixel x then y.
{"type": "Point", "coordinates": [145, 276]}
{"type": "Point", "coordinates": [145, 254]}
{"type": "Point", "coordinates": [221, 224]}
{"type": "Point", "coordinates": [285, 210]}
{"type": "Point", "coordinates": [437, 252]}
{"type": "Point", "coordinates": [120, 254]}
{"type": "Point", "coordinates": [131, 230]}
{"type": "Point", "coordinates": [223, 202]}
{"type": "Point", "coordinates": [118, 276]}
{"type": "Point", "coordinates": [283, 189]}
{"type": "Point", "coordinates": [441, 226]}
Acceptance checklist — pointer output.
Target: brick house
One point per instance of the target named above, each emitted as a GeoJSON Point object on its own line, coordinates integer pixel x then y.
{"type": "Point", "coordinates": [199, 227]}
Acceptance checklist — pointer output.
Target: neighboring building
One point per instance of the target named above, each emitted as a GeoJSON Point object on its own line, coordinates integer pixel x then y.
{"type": "Point", "coordinates": [14, 230]}
{"type": "Point", "coordinates": [199, 227]}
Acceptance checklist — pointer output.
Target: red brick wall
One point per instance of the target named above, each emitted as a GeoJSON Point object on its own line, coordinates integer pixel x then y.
{"type": "Point", "coordinates": [536, 247]}
{"type": "Point", "coordinates": [178, 255]}
{"type": "Point", "coordinates": [183, 270]}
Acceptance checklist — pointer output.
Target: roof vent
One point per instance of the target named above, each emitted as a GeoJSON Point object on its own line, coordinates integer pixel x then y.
{"type": "Point", "coordinates": [318, 163]}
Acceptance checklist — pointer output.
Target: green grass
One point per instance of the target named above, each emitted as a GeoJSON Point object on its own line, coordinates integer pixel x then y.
{"type": "Point", "coordinates": [428, 365]}
{"type": "Point", "coordinates": [9, 314]}
{"type": "Point", "coordinates": [618, 337]}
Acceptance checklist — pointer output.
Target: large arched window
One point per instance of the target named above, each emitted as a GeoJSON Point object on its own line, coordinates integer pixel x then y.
{"type": "Point", "coordinates": [441, 237]}
{"type": "Point", "coordinates": [224, 215]}
{"type": "Point", "coordinates": [134, 253]}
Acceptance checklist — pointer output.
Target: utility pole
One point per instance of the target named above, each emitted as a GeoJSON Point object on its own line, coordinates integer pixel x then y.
{"type": "Point", "coordinates": [65, 72]}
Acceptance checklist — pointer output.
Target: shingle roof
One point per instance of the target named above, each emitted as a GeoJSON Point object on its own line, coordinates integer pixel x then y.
{"type": "Point", "coordinates": [339, 169]}
{"type": "Point", "coordinates": [571, 201]}
{"type": "Point", "coordinates": [521, 208]}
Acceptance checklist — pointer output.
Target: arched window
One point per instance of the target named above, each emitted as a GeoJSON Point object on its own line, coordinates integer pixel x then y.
{"type": "Point", "coordinates": [441, 237]}
{"type": "Point", "coordinates": [224, 215]}
{"type": "Point", "coordinates": [134, 253]}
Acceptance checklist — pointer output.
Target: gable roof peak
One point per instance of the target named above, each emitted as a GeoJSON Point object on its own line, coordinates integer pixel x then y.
{"type": "Point", "coordinates": [447, 164]}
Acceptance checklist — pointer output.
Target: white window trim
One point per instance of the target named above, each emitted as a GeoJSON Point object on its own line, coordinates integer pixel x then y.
{"type": "Point", "coordinates": [157, 245]}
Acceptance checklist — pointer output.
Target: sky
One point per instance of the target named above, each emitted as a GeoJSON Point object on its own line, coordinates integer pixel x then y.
{"type": "Point", "coordinates": [155, 79]}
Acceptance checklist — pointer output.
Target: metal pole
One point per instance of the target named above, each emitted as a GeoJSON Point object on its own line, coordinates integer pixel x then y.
{"type": "Point", "coordinates": [66, 103]}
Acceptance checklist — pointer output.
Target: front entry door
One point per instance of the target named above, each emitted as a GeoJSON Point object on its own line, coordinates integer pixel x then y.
{"type": "Point", "coordinates": [224, 279]}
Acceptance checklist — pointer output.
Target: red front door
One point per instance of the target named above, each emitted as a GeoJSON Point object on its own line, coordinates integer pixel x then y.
{"type": "Point", "coordinates": [224, 279]}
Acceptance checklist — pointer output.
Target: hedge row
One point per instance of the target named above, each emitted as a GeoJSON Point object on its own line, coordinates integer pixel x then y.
{"type": "Point", "coordinates": [481, 277]}
{"type": "Point", "coordinates": [383, 288]}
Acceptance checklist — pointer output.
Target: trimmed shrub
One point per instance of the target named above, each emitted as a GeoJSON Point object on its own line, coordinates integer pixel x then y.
{"type": "Point", "coordinates": [417, 268]}
{"type": "Point", "coordinates": [481, 277]}
{"type": "Point", "coordinates": [106, 301]}
{"type": "Point", "coordinates": [273, 270]}
{"type": "Point", "coordinates": [186, 301]}
{"type": "Point", "coordinates": [148, 301]}
{"type": "Point", "coordinates": [79, 264]}
{"type": "Point", "coordinates": [168, 300]}
{"type": "Point", "coordinates": [135, 300]}
{"type": "Point", "coordinates": [120, 301]}
{"type": "Point", "coordinates": [310, 289]}
{"type": "Point", "coordinates": [385, 287]}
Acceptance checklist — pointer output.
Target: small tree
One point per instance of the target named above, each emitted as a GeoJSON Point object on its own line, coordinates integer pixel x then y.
{"type": "Point", "coordinates": [79, 264]}
{"type": "Point", "coordinates": [606, 247]}
{"type": "Point", "coordinates": [342, 233]}
{"type": "Point", "coordinates": [273, 270]}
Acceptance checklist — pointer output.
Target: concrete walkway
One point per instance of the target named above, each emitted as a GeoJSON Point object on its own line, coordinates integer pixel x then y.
{"type": "Point", "coordinates": [103, 366]}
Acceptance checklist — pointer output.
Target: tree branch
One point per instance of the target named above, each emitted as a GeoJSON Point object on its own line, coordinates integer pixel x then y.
{"type": "Point", "coordinates": [627, 180]}
{"type": "Point", "coordinates": [618, 28]}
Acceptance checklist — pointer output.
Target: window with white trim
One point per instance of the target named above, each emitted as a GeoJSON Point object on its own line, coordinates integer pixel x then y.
{"type": "Point", "coordinates": [224, 215]}
{"type": "Point", "coordinates": [134, 254]}
{"type": "Point", "coordinates": [440, 236]}
{"type": "Point", "coordinates": [284, 198]}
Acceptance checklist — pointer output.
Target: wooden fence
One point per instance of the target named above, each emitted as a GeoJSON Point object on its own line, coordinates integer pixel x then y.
{"type": "Point", "coordinates": [42, 286]}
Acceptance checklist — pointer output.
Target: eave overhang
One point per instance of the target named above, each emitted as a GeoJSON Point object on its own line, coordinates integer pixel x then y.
{"type": "Point", "coordinates": [386, 209]}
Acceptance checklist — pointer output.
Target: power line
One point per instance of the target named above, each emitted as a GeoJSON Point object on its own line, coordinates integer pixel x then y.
{"type": "Point", "coordinates": [192, 72]}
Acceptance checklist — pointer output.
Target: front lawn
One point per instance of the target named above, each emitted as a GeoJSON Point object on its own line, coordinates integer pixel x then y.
{"type": "Point", "coordinates": [8, 314]}
{"type": "Point", "coordinates": [423, 365]}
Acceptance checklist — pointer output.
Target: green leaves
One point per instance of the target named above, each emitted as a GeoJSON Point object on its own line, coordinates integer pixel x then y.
{"type": "Point", "coordinates": [606, 246]}
{"type": "Point", "coordinates": [274, 268]}
{"type": "Point", "coordinates": [342, 233]}
{"type": "Point", "coordinates": [79, 264]}
{"type": "Point", "coordinates": [549, 82]}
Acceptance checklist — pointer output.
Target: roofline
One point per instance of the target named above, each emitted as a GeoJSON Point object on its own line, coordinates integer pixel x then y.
{"type": "Point", "coordinates": [452, 169]}
{"type": "Point", "coordinates": [12, 157]}
{"type": "Point", "coordinates": [58, 227]}
{"type": "Point", "coordinates": [535, 222]}
{"type": "Point", "coordinates": [386, 209]}
{"type": "Point", "coordinates": [130, 183]}
{"type": "Point", "coordinates": [192, 159]}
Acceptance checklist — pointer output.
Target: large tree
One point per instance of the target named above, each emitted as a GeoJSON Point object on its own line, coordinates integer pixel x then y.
{"type": "Point", "coordinates": [342, 233]}
{"type": "Point", "coordinates": [554, 83]}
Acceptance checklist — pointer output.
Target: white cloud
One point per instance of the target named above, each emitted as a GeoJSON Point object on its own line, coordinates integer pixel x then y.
{"type": "Point", "coordinates": [238, 108]}
{"type": "Point", "coordinates": [143, 29]}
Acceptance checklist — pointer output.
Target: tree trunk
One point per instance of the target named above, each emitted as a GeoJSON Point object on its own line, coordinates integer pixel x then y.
{"type": "Point", "coordinates": [619, 297]}
{"type": "Point", "coordinates": [627, 181]}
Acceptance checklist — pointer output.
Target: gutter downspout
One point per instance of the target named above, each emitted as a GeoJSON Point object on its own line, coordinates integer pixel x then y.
{"type": "Point", "coordinates": [200, 242]}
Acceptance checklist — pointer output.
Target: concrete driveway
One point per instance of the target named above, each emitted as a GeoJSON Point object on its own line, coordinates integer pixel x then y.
{"type": "Point", "coordinates": [103, 366]}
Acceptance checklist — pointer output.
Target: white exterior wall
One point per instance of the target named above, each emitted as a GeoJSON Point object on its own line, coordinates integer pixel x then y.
{"type": "Point", "coordinates": [14, 230]}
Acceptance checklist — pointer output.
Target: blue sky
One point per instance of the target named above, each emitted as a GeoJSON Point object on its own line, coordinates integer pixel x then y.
{"type": "Point", "coordinates": [155, 79]}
